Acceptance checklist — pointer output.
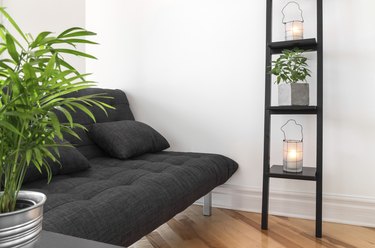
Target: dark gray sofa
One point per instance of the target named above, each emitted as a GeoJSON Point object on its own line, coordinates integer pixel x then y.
{"type": "Point", "coordinates": [119, 201]}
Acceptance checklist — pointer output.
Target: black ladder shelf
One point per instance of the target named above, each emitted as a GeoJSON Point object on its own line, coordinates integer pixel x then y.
{"type": "Point", "coordinates": [276, 171]}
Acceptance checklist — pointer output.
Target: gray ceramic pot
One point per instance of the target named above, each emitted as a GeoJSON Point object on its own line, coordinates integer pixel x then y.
{"type": "Point", "coordinates": [296, 94]}
{"type": "Point", "coordinates": [22, 228]}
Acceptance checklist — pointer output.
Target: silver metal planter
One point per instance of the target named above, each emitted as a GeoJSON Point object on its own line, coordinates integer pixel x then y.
{"type": "Point", "coordinates": [22, 228]}
{"type": "Point", "coordinates": [294, 94]}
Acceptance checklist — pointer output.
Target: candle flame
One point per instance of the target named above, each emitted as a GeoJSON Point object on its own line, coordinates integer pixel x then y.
{"type": "Point", "coordinates": [292, 154]}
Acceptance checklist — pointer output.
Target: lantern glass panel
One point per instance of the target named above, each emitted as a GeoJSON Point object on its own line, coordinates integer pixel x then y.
{"type": "Point", "coordinates": [292, 155]}
{"type": "Point", "coordinates": [294, 30]}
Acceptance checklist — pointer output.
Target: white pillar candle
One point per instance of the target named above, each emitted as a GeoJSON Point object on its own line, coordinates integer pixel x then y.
{"type": "Point", "coordinates": [293, 155]}
{"type": "Point", "coordinates": [294, 30]}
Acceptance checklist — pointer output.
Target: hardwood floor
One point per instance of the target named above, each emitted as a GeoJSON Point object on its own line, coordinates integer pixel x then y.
{"type": "Point", "coordinates": [238, 229]}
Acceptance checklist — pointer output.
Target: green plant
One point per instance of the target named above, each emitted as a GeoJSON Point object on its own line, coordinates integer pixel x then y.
{"type": "Point", "coordinates": [290, 67]}
{"type": "Point", "coordinates": [34, 83]}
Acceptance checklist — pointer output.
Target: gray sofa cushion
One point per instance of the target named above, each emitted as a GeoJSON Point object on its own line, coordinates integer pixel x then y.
{"type": "Point", "coordinates": [126, 139]}
{"type": "Point", "coordinates": [33, 174]}
{"type": "Point", "coordinates": [71, 161]}
{"type": "Point", "coordinates": [119, 201]}
{"type": "Point", "coordinates": [121, 112]}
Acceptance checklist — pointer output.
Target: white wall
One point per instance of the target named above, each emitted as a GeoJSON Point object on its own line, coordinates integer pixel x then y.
{"type": "Point", "coordinates": [195, 71]}
{"type": "Point", "coordinates": [116, 24]}
{"type": "Point", "coordinates": [49, 15]}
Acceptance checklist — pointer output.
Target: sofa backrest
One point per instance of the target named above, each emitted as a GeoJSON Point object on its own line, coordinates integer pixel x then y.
{"type": "Point", "coordinates": [122, 112]}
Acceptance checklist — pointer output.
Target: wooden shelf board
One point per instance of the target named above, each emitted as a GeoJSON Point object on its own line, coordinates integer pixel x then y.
{"type": "Point", "coordinates": [305, 44]}
{"type": "Point", "coordinates": [301, 110]}
{"type": "Point", "coordinates": [308, 173]}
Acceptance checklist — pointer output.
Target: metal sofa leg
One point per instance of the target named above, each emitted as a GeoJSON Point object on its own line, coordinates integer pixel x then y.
{"type": "Point", "coordinates": [207, 204]}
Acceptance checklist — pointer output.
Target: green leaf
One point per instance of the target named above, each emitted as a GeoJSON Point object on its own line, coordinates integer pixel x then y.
{"type": "Point", "coordinates": [48, 154]}
{"type": "Point", "coordinates": [71, 132]}
{"type": "Point", "coordinates": [19, 114]}
{"type": "Point", "coordinates": [78, 34]}
{"type": "Point", "coordinates": [2, 49]}
{"type": "Point", "coordinates": [12, 48]}
{"type": "Point", "coordinates": [29, 154]}
{"type": "Point", "coordinates": [77, 125]}
{"type": "Point", "coordinates": [74, 52]}
{"type": "Point", "coordinates": [69, 30]}
{"type": "Point", "coordinates": [70, 81]}
{"type": "Point", "coordinates": [47, 41]}
{"type": "Point", "coordinates": [63, 92]}
{"type": "Point", "coordinates": [10, 127]}
{"type": "Point", "coordinates": [105, 105]}
{"type": "Point", "coordinates": [56, 124]}
{"type": "Point", "coordinates": [62, 62]}
{"type": "Point", "coordinates": [84, 109]}
{"type": "Point", "coordinates": [60, 76]}
{"type": "Point", "coordinates": [39, 158]}
{"type": "Point", "coordinates": [39, 38]}
{"type": "Point", "coordinates": [43, 52]}
{"type": "Point", "coordinates": [15, 78]}
{"type": "Point", "coordinates": [67, 115]}
{"type": "Point", "coordinates": [50, 66]}
{"type": "Point", "coordinates": [29, 72]}
{"type": "Point", "coordinates": [14, 24]}
{"type": "Point", "coordinates": [5, 66]}
{"type": "Point", "coordinates": [72, 41]}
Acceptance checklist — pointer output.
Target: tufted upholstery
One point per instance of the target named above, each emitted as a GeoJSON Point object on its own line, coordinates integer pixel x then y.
{"type": "Point", "coordinates": [119, 201]}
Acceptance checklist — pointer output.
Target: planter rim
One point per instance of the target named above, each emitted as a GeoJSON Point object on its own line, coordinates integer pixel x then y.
{"type": "Point", "coordinates": [36, 197]}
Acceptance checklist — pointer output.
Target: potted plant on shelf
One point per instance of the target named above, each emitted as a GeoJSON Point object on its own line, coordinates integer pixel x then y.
{"type": "Point", "coordinates": [34, 83]}
{"type": "Point", "coordinates": [291, 70]}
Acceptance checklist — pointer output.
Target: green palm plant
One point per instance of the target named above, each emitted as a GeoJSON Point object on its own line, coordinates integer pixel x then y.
{"type": "Point", "coordinates": [35, 81]}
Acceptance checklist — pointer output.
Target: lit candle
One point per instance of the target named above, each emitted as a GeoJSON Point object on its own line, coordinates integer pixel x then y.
{"type": "Point", "coordinates": [294, 30]}
{"type": "Point", "coordinates": [293, 155]}
{"type": "Point", "coordinates": [297, 32]}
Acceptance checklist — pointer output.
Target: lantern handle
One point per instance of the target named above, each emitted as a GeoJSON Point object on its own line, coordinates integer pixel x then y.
{"type": "Point", "coordinates": [297, 124]}
{"type": "Point", "coordinates": [282, 11]}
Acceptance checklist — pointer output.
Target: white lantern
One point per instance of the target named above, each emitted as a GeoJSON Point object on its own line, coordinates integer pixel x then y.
{"type": "Point", "coordinates": [292, 151]}
{"type": "Point", "coordinates": [294, 28]}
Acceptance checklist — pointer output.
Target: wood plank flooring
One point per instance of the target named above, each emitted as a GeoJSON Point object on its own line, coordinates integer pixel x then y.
{"type": "Point", "coordinates": [238, 229]}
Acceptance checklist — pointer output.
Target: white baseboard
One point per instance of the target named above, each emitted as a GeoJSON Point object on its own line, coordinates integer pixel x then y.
{"type": "Point", "coordinates": [336, 208]}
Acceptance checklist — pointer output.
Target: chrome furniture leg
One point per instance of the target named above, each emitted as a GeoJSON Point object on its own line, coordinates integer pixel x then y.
{"type": "Point", "coordinates": [207, 204]}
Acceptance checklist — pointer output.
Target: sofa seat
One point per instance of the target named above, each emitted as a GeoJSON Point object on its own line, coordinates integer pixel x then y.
{"type": "Point", "coordinates": [119, 201]}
